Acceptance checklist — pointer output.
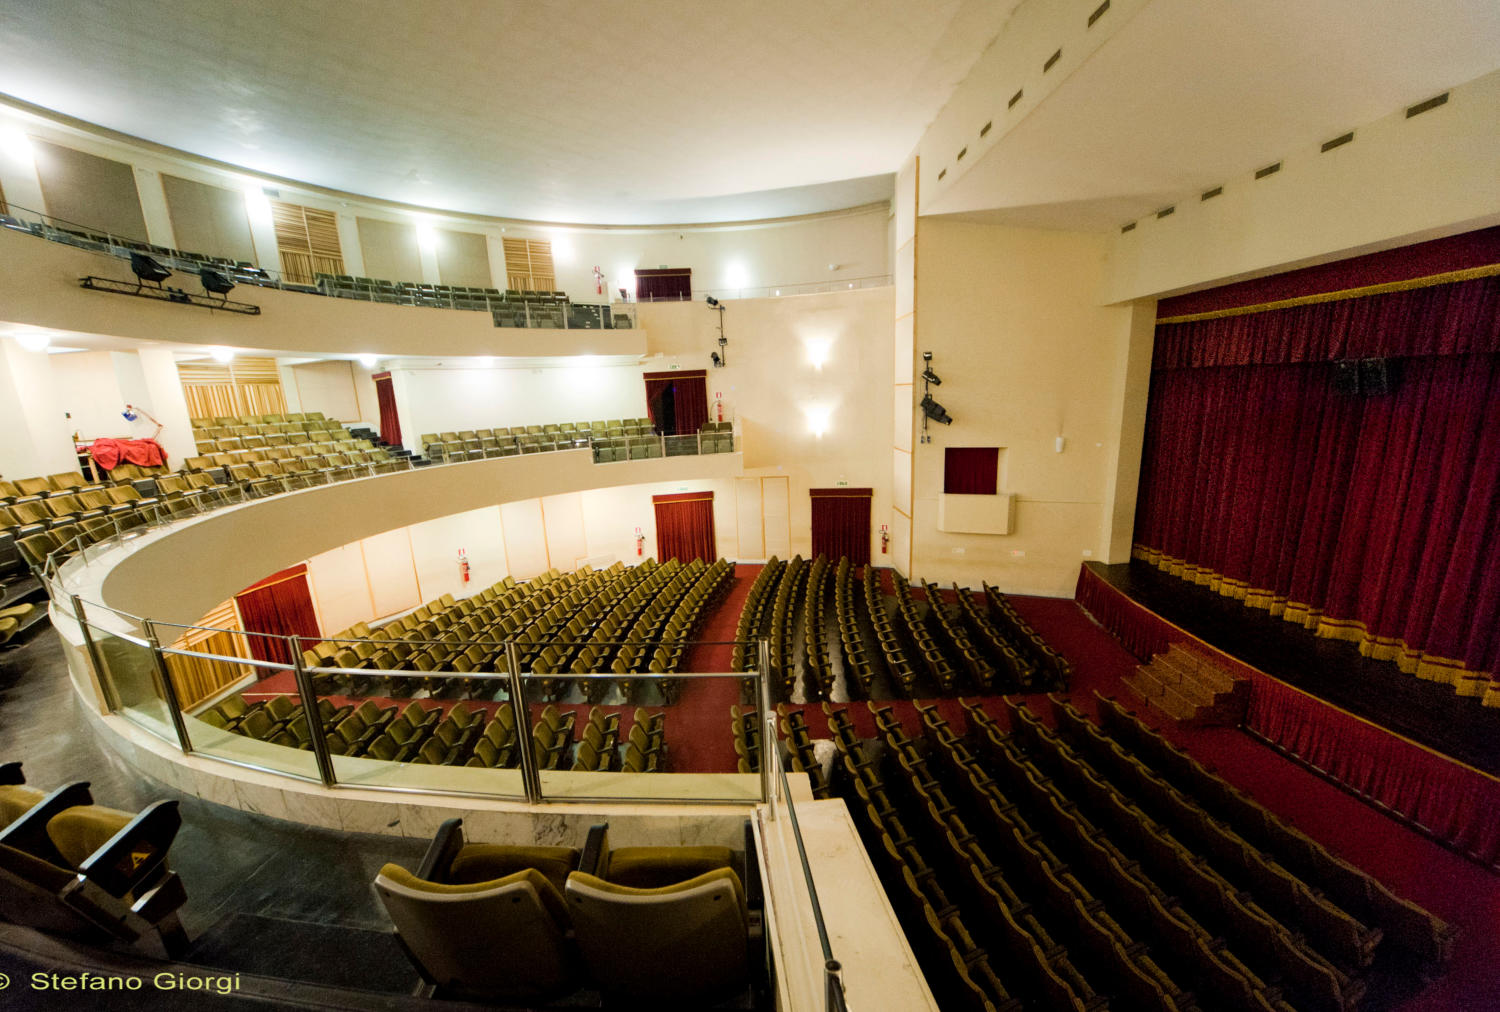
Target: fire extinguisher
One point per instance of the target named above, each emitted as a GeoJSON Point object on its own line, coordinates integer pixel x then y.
{"type": "Point", "coordinates": [463, 566]}
{"type": "Point", "coordinates": [640, 545]}
{"type": "Point", "coordinates": [719, 408]}
{"type": "Point", "coordinates": [885, 542]}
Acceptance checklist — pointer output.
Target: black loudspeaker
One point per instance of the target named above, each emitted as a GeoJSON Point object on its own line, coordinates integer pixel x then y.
{"type": "Point", "coordinates": [1376, 376]}
{"type": "Point", "coordinates": [1346, 377]}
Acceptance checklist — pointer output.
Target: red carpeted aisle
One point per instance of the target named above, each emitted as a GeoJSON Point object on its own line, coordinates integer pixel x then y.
{"type": "Point", "coordinates": [698, 739]}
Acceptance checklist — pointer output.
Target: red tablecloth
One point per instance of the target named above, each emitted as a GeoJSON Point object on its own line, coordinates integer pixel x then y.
{"type": "Point", "coordinates": [109, 453]}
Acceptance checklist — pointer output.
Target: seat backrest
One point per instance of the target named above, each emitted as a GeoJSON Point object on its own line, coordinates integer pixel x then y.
{"type": "Point", "coordinates": [504, 937]}
{"type": "Point", "coordinates": [629, 936]}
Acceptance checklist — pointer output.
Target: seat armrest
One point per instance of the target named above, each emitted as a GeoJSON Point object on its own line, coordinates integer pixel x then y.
{"type": "Point", "coordinates": [446, 843]}
{"type": "Point", "coordinates": [134, 854]}
{"type": "Point", "coordinates": [595, 851]}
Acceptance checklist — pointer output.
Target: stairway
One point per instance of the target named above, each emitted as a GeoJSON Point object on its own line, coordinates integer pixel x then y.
{"type": "Point", "coordinates": [365, 432]}
{"type": "Point", "coordinates": [1190, 689]}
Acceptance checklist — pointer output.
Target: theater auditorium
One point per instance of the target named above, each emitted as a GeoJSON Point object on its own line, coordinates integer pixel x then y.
{"type": "Point", "coordinates": [974, 505]}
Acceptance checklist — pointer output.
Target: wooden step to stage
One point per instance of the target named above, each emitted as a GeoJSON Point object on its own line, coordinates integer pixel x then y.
{"type": "Point", "coordinates": [1190, 689]}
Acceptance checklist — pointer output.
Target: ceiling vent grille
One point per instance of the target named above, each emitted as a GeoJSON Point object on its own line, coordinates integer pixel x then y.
{"type": "Point", "coordinates": [942, 174]}
{"type": "Point", "coordinates": [1337, 142]}
{"type": "Point", "coordinates": [1166, 211]}
{"type": "Point", "coordinates": [1098, 13]}
{"type": "Point", "coordinates": [1431, 103]}
{"type": "Point", "coordinates": [961, 153]}
{"type": "Point", "coordinates": [1051, 60]}
{"type": "Point", "coordinates": [1211, 194]}
{"type": "Point", "coordinates": [1015, 98]}
{"type": "Point", "coordinates": [986, 128]}
{"type": "Point", "coordinates": [1129, 227]}
{"type": "Point", "coordinates": [1269, 170]}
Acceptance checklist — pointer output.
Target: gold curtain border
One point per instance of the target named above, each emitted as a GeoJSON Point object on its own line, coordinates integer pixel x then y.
{"type": "Point", "coordinates": [1447, 277]}
{"type": "Point", "coordinates": [1408, 659]}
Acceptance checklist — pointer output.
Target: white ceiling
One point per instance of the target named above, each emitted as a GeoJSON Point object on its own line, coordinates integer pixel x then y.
{"type": "Point", "coordinates": [1192, 93]}
{"type": "Point", "coordinates": [601, 111]}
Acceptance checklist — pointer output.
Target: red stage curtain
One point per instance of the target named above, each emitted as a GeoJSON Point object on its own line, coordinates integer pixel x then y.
{"type": "Point", "coordinates": [685, 527]}
{"type": "Point", "coordinates": [280, 605]}
{"type": "Point", "coordinates": [677, 402]}
{"type": "Point", "coordinates": [1454, 802]}
{"type": "Point", "coordinates": [1368, 518]}
{"type": "Point", "coordinates": [971, 470]}
{"type": "Point", "coordinates": [841, 523]}
{"type": "Point", "coordinates": [390, 422]}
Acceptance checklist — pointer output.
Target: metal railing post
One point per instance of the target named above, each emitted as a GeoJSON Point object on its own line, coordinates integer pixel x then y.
{"type": "Point", "coordinates": [167, 689]}
{"type": "Point", "coordinates": [112, 699]}
{"type": "Point", "coordinates": [833, 979]}
{"type": "Point", "coordinates": [314, 715]}
{"type": "Point", "coordinates": [768, 724]}
{"type": "Point", "coordinates": [530, 778]}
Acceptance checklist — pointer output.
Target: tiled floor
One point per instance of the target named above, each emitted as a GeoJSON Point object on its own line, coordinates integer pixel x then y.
{"type": "Point", "coordinates": [231, 862]}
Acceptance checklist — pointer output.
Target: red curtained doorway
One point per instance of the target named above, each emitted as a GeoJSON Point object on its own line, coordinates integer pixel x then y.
{"type": "Point", "coordinates": [841, 523]}
{"type": "Point", "coordinates": [677, 401]}
{"type": "Point", "coordinates": [685, 527]}
{"type": "Point", "coordinates": [280, 605]}
{"type": "Point", "coordinates": [390, 422]}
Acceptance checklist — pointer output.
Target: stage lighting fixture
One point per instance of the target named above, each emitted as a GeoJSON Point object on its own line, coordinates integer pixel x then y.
{"type": "Point", "coordinates": [215, 281]}
{"type": "Point", "coordinates": [146, 269]}
{"type": "Point", "coordinates": [722, 358]}
{"type": "Point", "coordinates": [931, 377]}
{"type": "Point", "coordinates": [932, 409]}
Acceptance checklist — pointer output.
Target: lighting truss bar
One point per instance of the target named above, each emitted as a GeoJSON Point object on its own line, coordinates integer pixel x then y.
{"type": "Point", "coordinates": [167, 295]}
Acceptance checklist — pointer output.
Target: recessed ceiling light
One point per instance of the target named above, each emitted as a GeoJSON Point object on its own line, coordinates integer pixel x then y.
{"type": "Point", "coordinates": [223, 356]}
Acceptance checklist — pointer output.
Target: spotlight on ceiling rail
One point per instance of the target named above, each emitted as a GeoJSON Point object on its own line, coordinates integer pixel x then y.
{"type": "Point", "coordinates": [711, 301]}
{"type": "Point", "coordinates": [215, 281]}
{"type": "Point", "coordinates": [147, 268]}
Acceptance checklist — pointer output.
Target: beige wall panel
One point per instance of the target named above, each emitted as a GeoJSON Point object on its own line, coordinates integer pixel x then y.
{"type": "Point", "coordinates": [751, 542]}
{"type": "Point", "coordinates": [525, 538]}
{"type": "Point", "coordinates": [776, 504]}
{"type": "Point", "coordinates": [208, 219]}
{"type": "Point", "coordinates": [97, 194]}
{"type": "Point", "coordinates": [435, 545]}
{"type": "Point", "coordinates": [340, 588]}
{"type": "Point", "coordinates": [391, 571]}
{"type": "Point", "coordinates": [566, 540]}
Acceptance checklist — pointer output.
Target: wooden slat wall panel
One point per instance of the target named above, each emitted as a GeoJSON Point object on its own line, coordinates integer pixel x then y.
{"type": "Point", "coordinates": [246, 386]}
{"type": "Point", "coordinates": [308, 240]}
{"type": "Point", "coordinates": [528, 265]}
{"type": "Point", "coordinates": [198, 678]}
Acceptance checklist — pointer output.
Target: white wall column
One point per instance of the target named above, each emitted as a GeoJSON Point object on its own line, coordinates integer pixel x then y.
{"type": "Point", "coordinates": [262, 228]}
{"type": "Point", "coordinates": [153, 198]}
{"type": "Point", "coordinates": [495, 245]}
{"type": "Point", "coordinates": [1127, 409]}
{"type": "Point", "coordinates": [38, 440]}
{"type": "Point", "coordinates": [18, 178]}
{"type": "Point", "coordinates": [166, 401]}
{"type": "Point", "coordinates": [353, 252]}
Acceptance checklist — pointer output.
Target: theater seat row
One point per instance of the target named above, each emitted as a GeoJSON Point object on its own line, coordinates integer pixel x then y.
{"type": "Point", "coordinates": [668, 927]}
{"type": "Point", "coordinates": [89, 873]}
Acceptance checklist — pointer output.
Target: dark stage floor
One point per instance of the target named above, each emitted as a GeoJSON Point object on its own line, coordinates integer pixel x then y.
{"type": "Point", "coordinates": [1427, 712]}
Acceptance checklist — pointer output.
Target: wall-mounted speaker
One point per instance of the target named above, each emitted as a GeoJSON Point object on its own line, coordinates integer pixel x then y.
{"type": "Point", "coordinates": [1377, 376]}
{"type": "Point", "coordinates": [1346, 377]}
